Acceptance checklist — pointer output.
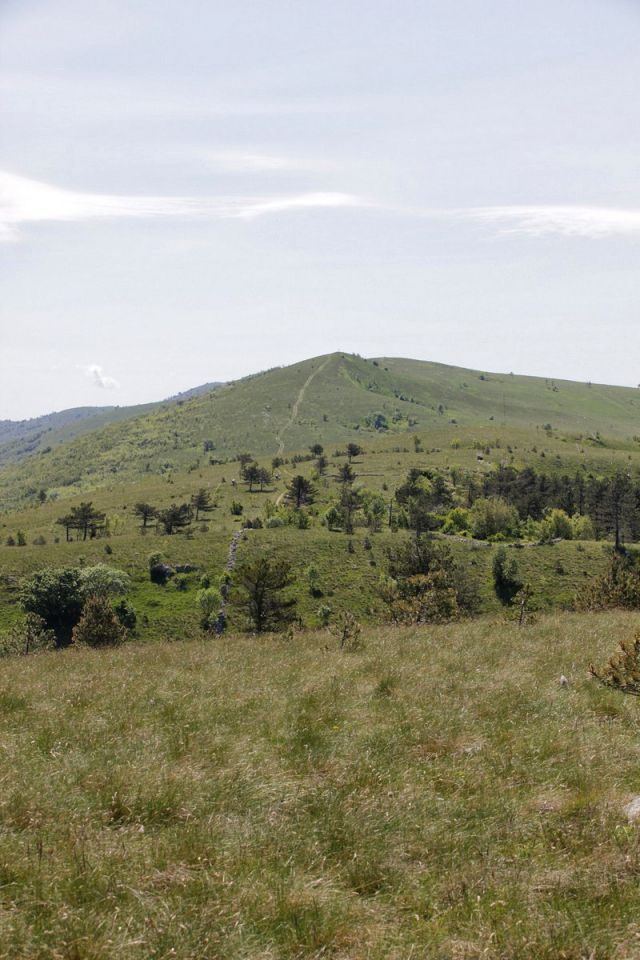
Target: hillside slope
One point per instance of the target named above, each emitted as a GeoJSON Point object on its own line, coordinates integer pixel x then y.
{"type": "Point", "coordinates": [20, 439]}
{"type": "Point", "coordinates": [331, 400]}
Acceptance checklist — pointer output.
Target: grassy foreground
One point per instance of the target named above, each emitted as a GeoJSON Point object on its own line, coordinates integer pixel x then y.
{"type": "Point", "coordinates": [436, 794]}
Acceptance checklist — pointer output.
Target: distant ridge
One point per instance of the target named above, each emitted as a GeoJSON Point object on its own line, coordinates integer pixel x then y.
{"type": "Point", "coordinates": [21, 438]}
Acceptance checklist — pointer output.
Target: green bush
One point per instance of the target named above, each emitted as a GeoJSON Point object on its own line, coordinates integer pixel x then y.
{"type": "Point", "coordinates": [99, 625]}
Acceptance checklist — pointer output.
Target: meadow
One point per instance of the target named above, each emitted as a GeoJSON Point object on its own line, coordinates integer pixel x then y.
{"type": "Point", "coordinates": [436, 793]}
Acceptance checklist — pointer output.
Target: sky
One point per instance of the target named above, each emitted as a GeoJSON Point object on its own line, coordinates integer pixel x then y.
{"type": "Point", "coordinates": [194, 190]}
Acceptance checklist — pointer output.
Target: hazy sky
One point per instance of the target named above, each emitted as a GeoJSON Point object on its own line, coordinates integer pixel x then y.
{"type": "Point", "coordinates": [193, 190]}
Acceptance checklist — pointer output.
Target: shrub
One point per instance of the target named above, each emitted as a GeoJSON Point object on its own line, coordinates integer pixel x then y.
{"type": "Point", "coordinates": [323, 613]}
{"type": "Point", "coordinates": [622, 672]}
{"type": "Point", "coordinates": [181, 582]}
{"type": "Point", "coordinates": [56, 596]}
{"type": "Point", "coordinates": [492, 517]}
{"type": "Point", "coordinates": [457, 520]}
{"type": "Point", "coordinates": [209, 602]}
{"type": "Point", "coordinates": [506, 582]}
{"type": "Point", "coordinates": [103, 581]}
{"type": "Point", "coordinates": [160, 573]}
{"type": "Point", "coordinates": [583, 528]}
{"type": "Point", "coordinates": [312, 575]}
{"type": "Point", "coordinates": [30, 635]}
{"type": "Point", "coordinates": [556, 525]}
{"type": "Point", "coordinates": [425, 583]}
{"type": "Point", "coordinates": [236, 508]}
{"type": "Point", "coordinates": [348, 632]}
{"type": "Point", "coordinates": [619, 587]}
{"type": "Point", "coordinates": [99, 626]}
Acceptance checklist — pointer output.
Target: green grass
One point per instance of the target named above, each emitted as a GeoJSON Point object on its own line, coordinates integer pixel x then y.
{"type": "Point", "coordinates": [436, 794]}
{"type": "Point", "coordinates": [328, 399]}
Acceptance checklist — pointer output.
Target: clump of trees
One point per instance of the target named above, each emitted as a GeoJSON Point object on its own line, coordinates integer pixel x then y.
{"type": "Point", "coordinates": [85, 519]}
{"type": "Point", "coordinates": [424, 583]}
{"type": "Point", "coordinates": [58, 597]}
{"type": "Point", "coordinates": [175, 518]}
{"type": "Point", "coordinates": [255, 475]}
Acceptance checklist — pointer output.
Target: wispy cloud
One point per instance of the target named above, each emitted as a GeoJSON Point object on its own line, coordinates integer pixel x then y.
{"type": "Point", "coordinates": [238, 161]}
{"type": "Point", "coordinates": [568, 221]}
{"type": "Point", "coordinates": [99, 378]}
{"type": "Point", "coordinates": [28, 201]}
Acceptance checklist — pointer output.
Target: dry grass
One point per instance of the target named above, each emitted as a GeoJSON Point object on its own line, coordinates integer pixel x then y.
{"type": "Point", "coordinates": [436, 794]}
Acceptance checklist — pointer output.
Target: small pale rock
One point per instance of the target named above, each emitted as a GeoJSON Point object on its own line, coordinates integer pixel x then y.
{"type": "Point", "coordinates": [563, 680]}
{"type": "Point", "coordinates": [632, 809]}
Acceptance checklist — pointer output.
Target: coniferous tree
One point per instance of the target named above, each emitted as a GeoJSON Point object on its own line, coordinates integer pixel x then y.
{"type": "Point", "coordinates": [175, 518]}
{"type": "Point", "coordinates": [145, 511]}
{"type": "Point", "coordinates": [261, 584]}
{"type": "Point", "coordinates": [301, 491]}
{"type": "Point", "coordinates": [201, 502]}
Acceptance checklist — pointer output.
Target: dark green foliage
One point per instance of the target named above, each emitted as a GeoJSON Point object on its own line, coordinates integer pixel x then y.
{"type": "Point", "coordinates": [260, 596]}
{"type": "Point", "coordinates": [425, 496]}
{"type": "Point", "coordinates": [353, 450]}
{"type": "Point", "coordinates": [57, 597]}
{"type": "Point", "coordinates": [506, 582]}
{"type": "Point", "coordinates": [145, 511]}
{"type": "Point", "coordinates": [175, 518]}
{"type": "Point", "coordinates": [201, 502]}
{"type": "Point", "coordinates": [425, 583]}
{"type": "Point", "coordinates": [236, 508]}
{"type": "Point", "coordinates": [85, 519]}
{"type": "Point", "coordinates": [99, 626]}
{"type": "Point", "coordinates": [251, 474]}
{"type": "Point", "coordinates": [126, 615]}
{"type": "Point", "coordinates": [301, 491]}
{"type": "Point", "coordinates": [346, 475]}
{"type": "Point", "coordinates": [349, 505]}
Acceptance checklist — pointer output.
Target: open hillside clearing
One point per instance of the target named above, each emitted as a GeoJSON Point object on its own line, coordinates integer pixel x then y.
{"type": "Point", "coordinates": [436, 793]}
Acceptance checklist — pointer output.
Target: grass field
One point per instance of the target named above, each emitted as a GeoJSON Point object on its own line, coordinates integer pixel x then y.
{"type": "Point", "coordinates": [435, 794]}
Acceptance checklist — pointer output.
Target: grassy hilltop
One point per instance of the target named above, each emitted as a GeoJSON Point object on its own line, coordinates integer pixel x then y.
{"type": "Point", "coordinates": [332, 400]}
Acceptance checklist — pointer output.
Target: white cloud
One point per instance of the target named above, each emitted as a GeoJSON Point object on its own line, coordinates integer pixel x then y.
{"type": "Point", "coordinates": [568, 221]}
{"type": "Point", "coordinates": [29, 201]}
{"type": "Point", "coordinates": [99, 378]}
{"type": "Point", "coordinates": [232, 161]}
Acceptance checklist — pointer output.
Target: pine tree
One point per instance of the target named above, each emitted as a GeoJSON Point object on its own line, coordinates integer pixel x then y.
{"type": "Point", "coordinates": [261, 584]}
{"type": "Point", "coordinates": [99, 626]}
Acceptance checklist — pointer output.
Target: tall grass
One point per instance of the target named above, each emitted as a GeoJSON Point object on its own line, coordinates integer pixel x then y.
{"type": "Point", "coordinates": [435, 794]}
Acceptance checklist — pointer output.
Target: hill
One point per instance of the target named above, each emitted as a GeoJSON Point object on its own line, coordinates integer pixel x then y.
{"type": "Point", "coordinates": [280, 798]}
{"type": "Point", "coordinates": [332, 400]}
{"type": "Point", "coordinates": [20, 439]}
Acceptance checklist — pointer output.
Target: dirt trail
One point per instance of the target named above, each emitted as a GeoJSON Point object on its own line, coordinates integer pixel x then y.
{"type": "Point", "coordinates": [296, 405]}
{"type": "Point", "coordinates": [294, 414]}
